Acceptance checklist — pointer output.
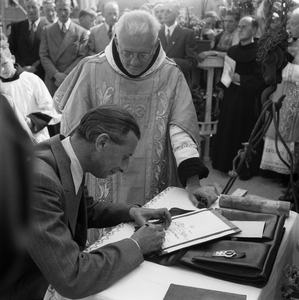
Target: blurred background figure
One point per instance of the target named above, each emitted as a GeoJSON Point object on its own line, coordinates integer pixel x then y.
{"type": "Point", "coordinates": [87, 17]}
{"type": "Point", "coordinates": [147, 7]}
{"type": "Point", "coordinates": [29, 95]}
{"type": "Point", "coordinates": [63, 45]}
{"type": "Point", "coordinates": [15, 194]}
{"type": "Point", "coordinates": [49, 11]}
{"type": "Point", "coordinates": [229, 36]}
{"type": "Point", "coordinates": [241, 104]}
{"type": "Point", "coordinates": [100, 18]}
{"type": "Point", "coordinates": [101, 35]}
{"type": "Point", "coordinates": [178, 42]}
{"type": "Point", "coordinates": [289, 112]}
{"type": "Point", "coordinates": [208, 31]}
{"type": "Point", "coordinates": [24, 39]}
{"type": "Point", "coordinates": [158, 12]}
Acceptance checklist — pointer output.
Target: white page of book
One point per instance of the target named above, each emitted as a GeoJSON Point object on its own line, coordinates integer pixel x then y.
{"type": "Point", "coordinates": [196, 227]}
{"type": "Point", "coordinates": [229, 66]}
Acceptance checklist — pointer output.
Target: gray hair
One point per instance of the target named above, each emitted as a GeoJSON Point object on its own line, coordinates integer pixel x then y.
{"type": "Point", "coordinates": [113, 120]}
{"type": "Point", "coordinates": [137, 22]}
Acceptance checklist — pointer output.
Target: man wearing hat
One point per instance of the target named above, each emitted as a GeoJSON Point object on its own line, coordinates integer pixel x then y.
{"type": "Point", "coordinates": [87, 18]}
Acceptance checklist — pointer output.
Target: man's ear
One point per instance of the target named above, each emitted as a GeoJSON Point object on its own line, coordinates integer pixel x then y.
{"type": "Point", "coordinates": [102, 141]}
{"type": "Point", "coordinates": [13, 58]}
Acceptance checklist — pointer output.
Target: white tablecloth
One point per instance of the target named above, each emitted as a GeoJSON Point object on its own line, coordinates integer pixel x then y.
{"type": "Point", "coordinates": [150, 281]}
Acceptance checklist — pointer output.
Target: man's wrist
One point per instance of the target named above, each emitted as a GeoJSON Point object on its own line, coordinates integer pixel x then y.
{"type": "Point", "coordinates": [135, 243]}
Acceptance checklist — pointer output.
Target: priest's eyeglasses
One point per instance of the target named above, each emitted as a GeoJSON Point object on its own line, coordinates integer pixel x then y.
{"type": "Point", "coordinates": [142, 56]}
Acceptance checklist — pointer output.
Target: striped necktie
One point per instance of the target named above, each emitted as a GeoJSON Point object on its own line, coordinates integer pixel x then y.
{"type": "Point", "coordinates": [168, 36]}
{"type": "Point", "coordinates": [110, 32]}
{"type": "Point", "coordinates": [63, 30]}
{"type": "Point", "coordinates": [32, 32]}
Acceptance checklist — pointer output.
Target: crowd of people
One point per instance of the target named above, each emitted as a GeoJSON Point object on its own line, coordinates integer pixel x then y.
{"type": "Point", "coordinates": [93, 94]}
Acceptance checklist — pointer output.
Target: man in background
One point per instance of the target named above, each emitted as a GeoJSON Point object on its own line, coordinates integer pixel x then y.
{"type": "Point", "coordinates": [87, 17]}
{"type": "Point", "coordinates": [101, 35]}
{"type": "Point", "coordinates": [63, 45]}
{"type": "Point", "coordinates": [241, 104]}
{"type": "Point", "coordinates": [178, 42]}
{"type": "Point", "coordinates": [49, 11]}
{"type": "Point", "coordinates": [158, 11]}
{"type": "Point", "coordinates": [24, 39]}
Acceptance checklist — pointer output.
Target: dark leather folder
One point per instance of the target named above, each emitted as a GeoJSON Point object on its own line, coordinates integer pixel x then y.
{"type": "Point", "coordinates": [243, 260]}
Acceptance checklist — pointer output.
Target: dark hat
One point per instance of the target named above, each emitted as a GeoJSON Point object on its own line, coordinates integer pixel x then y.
{"type": "Point", "coordinates": [87, 11]}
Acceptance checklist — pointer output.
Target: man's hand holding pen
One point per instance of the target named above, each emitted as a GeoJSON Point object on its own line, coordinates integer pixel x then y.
{"type": "Point", "coordinates": [150, 236]}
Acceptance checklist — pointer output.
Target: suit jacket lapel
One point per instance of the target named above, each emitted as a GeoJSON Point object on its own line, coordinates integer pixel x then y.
{"type": "Point", "coordinates": [173, 39]}
{"type": "Point", "coordinates": [163, 37]}
{"type": "Point", "coordinates": [104, 35]}
{"type": "Point", "coordinates": [38, 33]}
{"type": "Point", "coordinates": [27, 31]}
{"type": "Point", "coordinates": [56, 34]}
{"type": "Point", "coordinates": [68, 38]}
{"type": "Point", "coordinates": [72, 200]}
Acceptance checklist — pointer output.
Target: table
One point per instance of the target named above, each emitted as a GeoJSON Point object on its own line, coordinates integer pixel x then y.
{"type": "Point", "coordinates": [208, 127]}
{"type": "Point", "coordinates": [150, 281]}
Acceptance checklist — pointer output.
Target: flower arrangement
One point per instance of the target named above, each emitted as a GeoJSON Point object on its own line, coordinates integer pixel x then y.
{"type": "Point", "coordinates": [199, 96]}
{"type": "Point", "coordinates": [290, 288]}
{"type": "Point", "coordinates": [188, 19]}
{"type": "Point", "coordinates": [242, 6]}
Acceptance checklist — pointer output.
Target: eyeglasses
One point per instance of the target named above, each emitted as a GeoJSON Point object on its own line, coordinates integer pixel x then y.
{"type": "Point", "coordinates": [166, 11]}
{"type": "Point", "coordinates": [142, 56]}
{"type": "Point", "coordinates": [243, 27]}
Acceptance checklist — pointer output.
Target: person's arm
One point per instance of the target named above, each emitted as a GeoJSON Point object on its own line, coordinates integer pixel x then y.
{"type": "Point", "coordinates": [45, 113]}
{"type": "Point", "coordinates": [254, 83]}
{"type": "Point", "coordinates": [190, 167]}
{"type": "Point", "coordinates": [72, 272]}
{"type": "Point", "coordinates": [203, 55]}
{"type": "Point", "coordinates": [189, 62]}
{"type": "Point", "coordinates": [45, 56]}
{"type": "Point", "coordinates": [13, 44]}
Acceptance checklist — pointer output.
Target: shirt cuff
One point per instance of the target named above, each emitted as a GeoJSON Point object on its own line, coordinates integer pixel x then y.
{"type": "Point", "coordinates": [191, 167]}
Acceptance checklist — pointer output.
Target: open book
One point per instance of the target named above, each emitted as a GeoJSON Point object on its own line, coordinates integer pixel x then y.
{"type": "Point", "coordinates": [196, 227]}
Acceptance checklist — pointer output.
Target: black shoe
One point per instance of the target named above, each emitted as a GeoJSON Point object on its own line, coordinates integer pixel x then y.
{"type": "Point", "coordinates": [245, 176]}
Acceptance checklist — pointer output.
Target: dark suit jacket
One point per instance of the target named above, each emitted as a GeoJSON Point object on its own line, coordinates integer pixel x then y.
{"type": "Point", "coordinates": [25, 52]}
{"type": "Point", "coordinates": [181, 47]}
{"type": "Point", "coordinates": [59, 226]}
{"type": "Point", "coordinates": [61, 53]}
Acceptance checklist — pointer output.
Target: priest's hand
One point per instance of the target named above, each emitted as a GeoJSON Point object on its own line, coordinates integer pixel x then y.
{"type": "Point", "coordinates": [201, 196]}
{"type": "Point", "coordinates": [235, 77]}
